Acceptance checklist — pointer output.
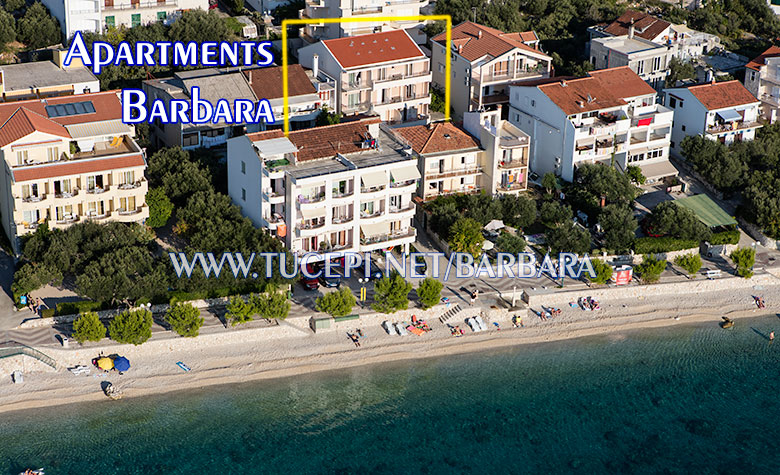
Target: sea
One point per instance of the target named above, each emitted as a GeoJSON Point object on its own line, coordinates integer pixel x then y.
{"type": "Point", "coordinates": [681, 399]}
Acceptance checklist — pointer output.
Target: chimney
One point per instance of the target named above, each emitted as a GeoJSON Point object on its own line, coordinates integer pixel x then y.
{"type": "Point", "coordinates": [631, 29]}
{"type": "Point", "coordinates": [479, 34]}
{"type": "Point", "coordinates": [460, 49]}
{"type": "Point", "coordinates": [315, 65]}
{"type": "Point", "coordinates": [250, 76]}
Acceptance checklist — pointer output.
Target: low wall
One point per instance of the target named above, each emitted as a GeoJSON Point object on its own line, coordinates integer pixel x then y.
{"type": "Point", "coordinates": [561, 298]}
{"type": "Point", "coordinates": [754, 232]}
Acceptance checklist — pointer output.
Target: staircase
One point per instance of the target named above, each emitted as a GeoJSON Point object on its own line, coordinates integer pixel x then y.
{"type": "Point", "coordinates": [12, 348]}
{"type": "Point", "coordinates": [450, 313]}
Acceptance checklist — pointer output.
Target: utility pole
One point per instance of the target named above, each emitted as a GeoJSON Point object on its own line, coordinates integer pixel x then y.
{"type": "Point", "coordinates": [474, 9]}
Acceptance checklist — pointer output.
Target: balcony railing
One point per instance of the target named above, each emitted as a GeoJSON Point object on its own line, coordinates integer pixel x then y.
{"type": "Point", "coordinates": [732, 127]}
{"type": "Point", "coordinates": [345, 194]}
{"type": "Point", "coordinates": [400, 76]}
{"type": "Point", "coordinates": [374, 214]}
{"type": "Point", "coordinates": [130, 186]}
{"type": "Point", "coordinates": [512, 187]}
{"type": "Point", "coordinates": [34, 198]}
{"type": "Point", "coordinates": [311, 198]}
{"type": "Point", "coordinates": [514, 163]}
{"type": "Point", "coordinates": [67, 194]}
{"type": "Point", "coordinates": [366, 10]}
{"type": "Point", "coordinates": [136, 6]}
{"type": "Point", "coordinates": [68, 219]}
{"type": "Point", "coordinates": [97, 190]}
{"type": "Point", "coordinates": [372, 189]}
{"type": "Point", "coordinates": [402, 183]}
{"type": "Point", "coordinates": [451, 173]}
{"type": "Point", "coordinates": [342, 219]}
{"type": "Point", "coordinates": [127, 212]}
{"type": "Point", "coordinates": [411, 232]}
{"type": "Point", "coordinates": [311, 225]}
{"type": "Point", "coordinates": [401, 209]}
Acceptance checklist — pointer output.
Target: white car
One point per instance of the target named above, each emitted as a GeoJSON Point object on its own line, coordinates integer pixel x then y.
{"type": "Point", "coordinates": [389, 328]}
{"type": "Point", "coordinates": [401, 329]}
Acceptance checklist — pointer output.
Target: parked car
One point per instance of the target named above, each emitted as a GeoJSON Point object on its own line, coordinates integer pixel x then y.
{"type": "Point", "coordinates": [330, 281]}
{"type": "Point", "coordinates": [374, 272]}
{"type": "Point", "coordinates": [310, 283]}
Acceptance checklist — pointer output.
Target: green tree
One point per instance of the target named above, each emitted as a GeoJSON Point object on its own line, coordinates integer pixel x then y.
{"type": "Point", "coordinates": [327, 117]}
{"type": "Point", "coordinates": [88, 327]}
{"type": "Point", "coordinates": [160, 208]}
{"type": "Point", "coordinates": [650, 269]}
{"type": "Point", "coordinates": [555, 213]}
{"type": "Point", "coordinates": [14, 5]}
{"type": "Point", "coordinates": [594, 182]}
{"type": "Point", "coordinates": [7, 28]}
{"type": "Point", "coordinates": [677, 221]}
{"type": "Point", "coordinates": [184, 319]}
{"type": "Point", "coordinates": [126, 274]}
{"type": "Point", "coordinates": [635, 173]}
{"type": "Point", "coordinates": [568, 238]}
{"type": "Point", "coordinates": [429, 292]}
{"type": "Point", "coordinates": [679, 70]}
{"type": "Point", "coordinates": [549, 182]}
{"type": "Point", "coordinates": [37, 28]}
{"type": "Point", "coordinates": [236, 6]}
{"type": "Point", "coordinates": [690, 262]}
{"type": "Point", "coordinates": [762, 201]}
{"type": "Point", "coordinates": [619, 227]}
{"type": "Point", "coordinates": [173, 171]}
{"type": "Point", "coordinates": [391, 294]}
{"type": "Point", "coordinates": [744, 258]}
{"type": "Point", "coordinates": [199, 26]}
{"type": "Point", "coordinates": [603, 272]}
{"type": "Point", "coordinates": [271, 304]}
{"type": "Point", "coordinates": [466, 236]}
{"type": "Point", "coordinates": [32, 276]}
{"type": "Point", "coordinates": [518, 211]}
{"type": "Point", "coordinates": [713, 160]}
{"type": "Point", "coordinates": [336, 304]}
{"type": "Point", "coordinates": [131, 327]}
{"type": "Point", "coordinates": [510, 243]}
{"type": "Point", "coordinates": [239, 311]}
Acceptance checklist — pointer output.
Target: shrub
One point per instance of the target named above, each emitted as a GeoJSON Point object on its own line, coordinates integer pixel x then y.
{"type": "Point", "coordinates": [677, 221]}
{"type": "Point", "coordinates": [650, 269]}
{"type": "Point", "coordinates": [466, 236]}
{"type": "Point", "coordinates": [554, 213]}
{"type": "Point", "coordinates": [160, 208]}
{"type": "Point", "coordinates": [239, 311]}
{"type": "Point", "coordinates": [744, 258]}
{"type": "Point", "coordinates": [510, 243]}
{"type": "Point", "coordinates": [47, 313]}
{"type": "Point", "coordinates": [690, 262]}
{"type": "Point", "coordinates": [725, 237]}
{"type": "Point", "coordinates": [81, 306]}
{"type": "Point", "coordinates": [603, 272]}
{"type": "Point", "coordinates": [184, 319]}
{"type": "Point", "coordinates": [337, 304]}
{"type": "Point", "coordinates": [657, 245]}
{"type": "Point", "coordinates": [568, 238]}
{"type": "Point", "coordinates": [131, 327]}
{"type": "Point", "coordinates": [88, 327]}
{"type": "Point", "coordinates": [271, 304]}
{"type": "Point", "coordinates": [391, 294]}
{"type": "Point", "coordinates": [429, 292]}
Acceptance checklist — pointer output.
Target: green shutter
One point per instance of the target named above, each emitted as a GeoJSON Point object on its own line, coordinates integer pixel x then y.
{"type": "Point", "coordinates": [136, 19]}
{"type": "Point", "coordinates": [110, 23]}
{"type": "Point", "coordinates": [161, 16]}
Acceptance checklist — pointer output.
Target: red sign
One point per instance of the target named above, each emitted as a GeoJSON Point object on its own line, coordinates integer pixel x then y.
{"type": "Point", "coordinates": [622, 275]}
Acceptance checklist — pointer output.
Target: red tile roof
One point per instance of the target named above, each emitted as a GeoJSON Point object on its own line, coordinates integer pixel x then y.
{"type": "Point", "coordinates": [323, 142]}
{"type": "Point", "coordinates": [645, 25]}
{"type": "Point", "coordinates": [267, 82]}
{"type": "Point", "coordinates": [603, 89]}
{"type": "Point", "coordinates": [24, 122]}
{"type": "Point", "coordinates": [720, 95]}
{"type": "Point", "coordinates": [76, 167]}
{"type": "Point", "coordinates": [107, 107]}
{"type": "Point", "coordinates": [474, 41]}
{"type": "Point", "coordinates": [354, 51]}
{"type": "Point", "coordinates": [437, 137]}
{"type": "Point", "coordinates": [760, 60]}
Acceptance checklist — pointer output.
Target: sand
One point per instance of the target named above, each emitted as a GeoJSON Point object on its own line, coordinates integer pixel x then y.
{"type": "Point", "coordinates": [290, 349]}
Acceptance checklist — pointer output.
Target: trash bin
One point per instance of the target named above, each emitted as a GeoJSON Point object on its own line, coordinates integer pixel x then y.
{"type": "Point", "coordinates": [65, 341]}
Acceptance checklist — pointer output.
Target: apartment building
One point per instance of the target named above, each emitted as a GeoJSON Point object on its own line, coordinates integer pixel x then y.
{"type": "Point", "coordinates": [68, 159]}
{"type": "Point", "coordinates": [385, 74]}
{"type": "Point", "coordinates": [762, 79]}
{"type": "Point", "coordinates": [723, 111]}
{"type": "Point", "coordinates": [365, 11]}
{"type": "Point", "coordinates": [41, 79]}
{"type": "Point", "coordinates": [484, 62]}
{"type": "Point", "coordinates": [337, 188]}
{"type": "Point", "coordinates": [609, 117]}
{"type": "Point", "coordinates": [683, 42]}
{"type": "Point", "coordinates": [650, 61]}
{"type": "Point", "coordinates": [491, 155]}
{"type": "Point", "coordinates": [307, 96]}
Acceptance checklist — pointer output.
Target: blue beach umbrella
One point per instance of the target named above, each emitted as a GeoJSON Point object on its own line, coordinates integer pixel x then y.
{"type": "Point", "coordinates": [121, 364]}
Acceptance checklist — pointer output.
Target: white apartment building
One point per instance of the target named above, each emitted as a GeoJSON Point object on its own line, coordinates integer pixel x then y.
{"type": "Point", "coordinates": [683, 42]}
{"type": "Point", "coordinates": [68, 159]}
{"type": "Point", "coordinates": [723, 111]}
{"type": "Point", "coordinates": [762, 79]}
{"type": "Point", "coordinates": [100, 15]}
{"type": "Point", "coordinates": [609, 117]}
{"type": "Point", "coordinates": [649, 60]}
{"type": "Point", "coordinates": [484, 62]}
{"type": "Point", "coordinates": [385, 74]}
{"type": "Point", "coordinates": [41, 79]}
{"type": "Point", "coordinates": [338, 188]}
{"type": "Point", "coordinates": [365, 10]}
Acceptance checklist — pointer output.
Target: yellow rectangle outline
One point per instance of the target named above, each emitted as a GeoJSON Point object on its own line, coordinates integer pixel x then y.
{"type": "Point", "coordinates": [306, 21]}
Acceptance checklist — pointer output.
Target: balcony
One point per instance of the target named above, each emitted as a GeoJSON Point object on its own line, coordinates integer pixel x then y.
{"type": "Point", "coordinates": [732, 127]}
{"type": "Point", "coordinates": [383, 238]}
{"type": "Point", "coordinates": [98, 217]}
{"type": "Point", "coordinates": [67, 194]}
{"type": "Point", "coordinates": [490, 100]}
{"type": "Point", "coordinates": [770, 99]}
{"type": "Point", "coordinates": [403, 184]}
{"type": "Point", "coordinates": [97, 190]}
{"type": "Point", "coordinates": [118, 146]}
{"type": "Point", "coordinates": [402, 209]}
{"type": "Point", "coordinates": [139, 5]}
{"type": "Point", "coordinates": [131, 186]}
{"type": "Point", "coordinates": [342, 219]}
{"type": "Point", "coordinates": [34, 198]}
{"type": "Point", "coordinates": [312, 198]}
{"type": "Point", "coordinates": [346, 194]}
{"type": "Point", "coordinates": [508, 75]}
{"type": "Point", "coordinates": [361, 85]}
{"type": "Point", "coordinates": [512, 187]}
{"type": "Point", "coordinates": [356, 108]}
{"type": "Point", "coordinates": [366, 11]}
{"type": "Point", "coordinates": [309, 225]}
{"type": "Point", "coordinates": [131, 215]}
{"type": "Point", "coordinates": [67, 219]}
{"type": "Point", "coordinates": [373, 189]}
{"type": "Point", "coordinates": [402, 77]}
{"type": "Point", "coordinates": [453, 173]}
{"type": "Point", "coordinates": [514, 163]}
{"type": "Point", "coordinates": [373, 214]}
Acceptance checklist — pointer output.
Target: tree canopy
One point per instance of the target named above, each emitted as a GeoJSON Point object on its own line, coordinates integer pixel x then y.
{"type": "Point", "coordinates": [37, 28]}
{"type": "Point", "coordinates": [391, 293]}
{"type": "Point", "coordinates": [669, 219]}
{"type": "Point", "coordinates": [88, 327]}
{"type": "Point", "coordinates": [466, 236]}
{"type": "Point", "coordinates": [338, 303]}
{"type": "Point", "coordinates": [429, 292]}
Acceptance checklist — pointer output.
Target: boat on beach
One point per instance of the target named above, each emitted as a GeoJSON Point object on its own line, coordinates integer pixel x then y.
{"type": "Point", "coordinates": [32, 472]}
{"type": "Point", "coordinates": [727, 323]}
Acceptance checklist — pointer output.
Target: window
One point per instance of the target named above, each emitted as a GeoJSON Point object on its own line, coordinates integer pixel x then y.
{"type": "Point", "coordinates": [433, 185]}
{"type": "Point", "coordinates": [243, 167]}
{"type": "Point", "coordinates": [21, 157]}
{"type": "Point", "coordinates": [243, 194]}
{"type": "Point", "coordinates": [189, 139]}
{"type": "Point", "coordinates": [671, 144]}
{"type": "Point", "coordinates": [433, 165]}
{"type": "Point", "coordinates": [656, 63]}
{"type": "Point", "coordinates": [441, 68]}
{"type": "Point", "coordinates": [640, 67]}
{"type": "Point", "coordinates": [752, 75]}
{"type": "Point", "coordinates": [110, 22]}
{"type": "Point", "coordinates": [161, 16]}
{"type": "Point", "coordinates": [517, 117]}
{"type": "Point", "coordinates": [51, 153]}
{"type": "Point", "coordinates": [213, 132]}
{"type": "Point", "coordinates": [135, 19]}
{"type": "Point", "coordinates": [655, 153]}
{"type": "Point", "coordinates": [672, 102]}
{"type": "Point", "coordinates": [533, 103]}
{"type": "Point", "coordinates": [683, 128]}
{"type": "Point", "coordinates": [126, 178]}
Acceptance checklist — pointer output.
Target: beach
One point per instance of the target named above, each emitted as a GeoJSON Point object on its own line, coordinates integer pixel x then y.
{"type": "Point", "coordinates": [290, 349]}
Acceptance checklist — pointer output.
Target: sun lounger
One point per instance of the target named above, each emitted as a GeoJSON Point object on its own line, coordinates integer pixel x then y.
{"type": "Point", "coordinates": [481, 322]}
{"type": "Point", "coordinates": [183, 366]}
{"type": "Point", "coordinates": [415, 330]}
{"type": "Point", "coordinates": [472, 322]}
{"type": "Point", "coordinates": [401, 329]}
{"type": "Point", "coordinates": [389, 328]}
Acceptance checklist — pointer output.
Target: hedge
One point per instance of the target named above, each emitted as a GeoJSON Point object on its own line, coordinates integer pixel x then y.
{"type": "Point", "coordinates": [655, 245]}
{"type": "Point", "coordinates": [725, 237]}
{"type": "Point", "coordinates": [80, 306]}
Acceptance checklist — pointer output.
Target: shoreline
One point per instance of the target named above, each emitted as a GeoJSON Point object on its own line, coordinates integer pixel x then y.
{"type": "Point", "coordinates": [244, 367]}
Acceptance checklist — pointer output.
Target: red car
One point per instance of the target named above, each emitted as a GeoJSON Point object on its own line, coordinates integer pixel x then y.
{"type": "Point", "coordinates": [308, 282]}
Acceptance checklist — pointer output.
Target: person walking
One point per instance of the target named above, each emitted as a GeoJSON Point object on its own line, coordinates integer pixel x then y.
{"type": "Point", "coordinates": [771, 336]}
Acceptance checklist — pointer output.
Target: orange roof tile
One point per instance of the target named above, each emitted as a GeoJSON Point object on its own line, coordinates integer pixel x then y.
{"type": "Point", "coordinates": [437, 137]}
{"type": "Point", "coordinates": [475, 41]}
{"type": "Point", "coordinates": [355, 51]}
{"type": "Point", "coordinates": [645, 25]}
{"type": "Point", "coordinates": [720, 95]}
{"type": "Point", "coordinates": [24, 122]}
{"type": "Point", "coordinates": [107, 107]}
{"type": "Point", "coordinates": [623, 81]}
{"type": "Point", "coordinates": [760, 60]}
{"type": "Point", "coordinates": [267, 82]}
{"type": "Point", "coordinates": [76, 167]}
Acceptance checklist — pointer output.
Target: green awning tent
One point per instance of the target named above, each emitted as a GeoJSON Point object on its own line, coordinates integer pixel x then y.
{"type": "Point", "coordinates": [706, 210]}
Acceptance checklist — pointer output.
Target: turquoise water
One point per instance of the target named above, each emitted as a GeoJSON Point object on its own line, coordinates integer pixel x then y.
{"type": "Point", "coordinates": [677, 400]}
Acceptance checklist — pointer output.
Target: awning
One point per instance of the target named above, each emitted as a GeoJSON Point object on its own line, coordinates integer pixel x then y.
{"type": "Point", "coordinates": [374, 179]}
{"type": "Point", "coordinates": [313, 213]}
{"type": "Point", "coordinates": [586, 141]}
{"type": "Point", "coordinates": [274, 147]}
{"type": "Point", "coordinates": [98, 129]}
{"type": "Point", "coordinates": [706, 210]}
{"type": "Point", "coordinates": [636, 151]}
{"type": "Point", "coordinates": [372, 230]}
{"type": "Point", "coordinates": [730, 115]}
{"type": "Point", "coordinates": [654, 171]}
{"type": "Point", "coordinates": [408, 173]}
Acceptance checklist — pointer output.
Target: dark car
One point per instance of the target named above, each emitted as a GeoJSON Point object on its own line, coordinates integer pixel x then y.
{"type": "Point", "coordinates": [309, 282]}
{"type": "Point", "coordinates": [374, 272]}
{"type": "Point", "coordinates": [330, 281]}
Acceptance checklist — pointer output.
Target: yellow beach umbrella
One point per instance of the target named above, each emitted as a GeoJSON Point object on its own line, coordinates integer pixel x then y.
{"type": "Point", "coordinates": [105, 363]}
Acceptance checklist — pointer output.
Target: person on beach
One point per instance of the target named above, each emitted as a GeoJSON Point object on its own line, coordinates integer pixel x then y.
{"type": "Point", "coordinates": [771, 336]}
{"type": "Point", "coordinates": [355, 339]}
{"type": "Point", "coordinates": [473, 298]}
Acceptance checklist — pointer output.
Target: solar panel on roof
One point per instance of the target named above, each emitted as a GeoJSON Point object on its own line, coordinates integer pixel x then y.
{"type": "Point", "coordinates": [75, 108]}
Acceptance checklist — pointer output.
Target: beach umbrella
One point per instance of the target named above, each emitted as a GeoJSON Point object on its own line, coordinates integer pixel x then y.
{"type": "Point", "coordinates": [105, 363]}
{"type": "Point", "coordinates": [487, 245]}
{"type": "Point", "coordinates": [494, 225]}
{"type": "Point", "coordinates": [121, 364]}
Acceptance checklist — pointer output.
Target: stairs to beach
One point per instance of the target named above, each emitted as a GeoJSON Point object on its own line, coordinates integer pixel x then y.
{"type": "Point", "coordinates": [450, 313]}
